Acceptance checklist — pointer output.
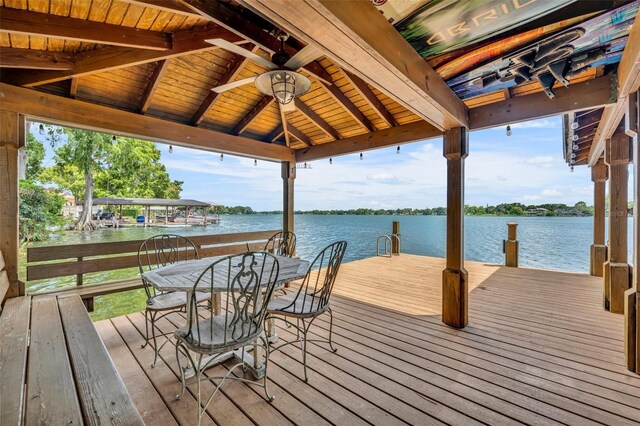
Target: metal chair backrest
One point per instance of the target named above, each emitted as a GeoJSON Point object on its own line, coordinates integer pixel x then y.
{"type": "Point", "coordinates": [245, 282]}
{"type": "Point", "coordinates": [315, 291]}
{"type": "Point", "coordinates": [162, 250]}
{"type": "Point", "coordinates": [282, 244]}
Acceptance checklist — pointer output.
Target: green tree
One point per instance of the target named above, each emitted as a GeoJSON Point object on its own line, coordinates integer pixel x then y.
{"type": "Point", "coordinates": [81, 153]}
{"type": "Point", "coordinates": [35, 156]}
{"type": "Point", "coordinates": [89, 164]}
{"type": "Point", "coordinates": [133, 169]}
{"type": "Point", "coordinates": [39, 208]}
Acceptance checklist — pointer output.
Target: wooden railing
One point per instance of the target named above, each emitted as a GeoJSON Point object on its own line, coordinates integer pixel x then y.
{"type": "Point", "coordinates": [80, 259]}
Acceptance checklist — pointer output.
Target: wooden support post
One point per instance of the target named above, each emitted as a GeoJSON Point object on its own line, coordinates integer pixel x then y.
{"type": "Point", "coordinates": [511, 245]}
{"type": "Point", "coordinates": [616, 268]}
{"type": "Point", "coordinates": [455, 295]}
{"type": "Point", "coordinates": [598, 248]}
{"type": "Point", "coordinates": [395, 242]}
{"type": "Point", "coordinates": [166, 215]}
{"type": "Point", "coordinates": [10, 134]}
{"type": "Point", "coordinates": [288, 179]}
{"type": "Point", "coordinates": [632, 296]}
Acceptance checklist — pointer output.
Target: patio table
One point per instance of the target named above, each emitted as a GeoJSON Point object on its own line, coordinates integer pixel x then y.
{"type": "Point", "coordinates": [182, 276]}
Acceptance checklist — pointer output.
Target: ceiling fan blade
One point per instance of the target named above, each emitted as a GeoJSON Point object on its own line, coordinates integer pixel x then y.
{"type": "Point", "coordinates": [233, 84]}
{"type": "Point", "coordinates": [303, 57]}
{"type": "Point", "coordinates": [242, 52]}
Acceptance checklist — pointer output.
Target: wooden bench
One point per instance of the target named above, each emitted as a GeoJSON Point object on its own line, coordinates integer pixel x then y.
{"type": "Point", "coordinates": [54, 368]}
{"type": "Point", "coordinates": [79, 259]}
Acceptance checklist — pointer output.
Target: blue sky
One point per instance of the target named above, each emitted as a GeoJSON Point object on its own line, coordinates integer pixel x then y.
{"type": "Point", "coordinates": [526, 167]}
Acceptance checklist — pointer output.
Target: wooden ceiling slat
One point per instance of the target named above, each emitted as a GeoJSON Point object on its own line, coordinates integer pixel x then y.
{"type": "Point", "coordinates": [172, 6]}
{"type": "Point", "coordinates": [316, 119]}
{"type": "Point", "coordinates": [293, 131]}
{"type": "Point", "coordinates": [348, 106]}
{"type": "Point", "coordinates": [233, 69]}
{"type": "Point", "coordinates": [367, 94]}
{"type": "Point", "coordinates": [24, 22]}
{"type": "Point", "coordinates": [251, 115]}
{"type": "Point", "coordinates": [152, 85]}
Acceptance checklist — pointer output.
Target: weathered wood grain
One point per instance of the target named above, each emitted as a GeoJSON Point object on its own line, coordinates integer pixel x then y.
{"type": "Point", "coordinates": [14, 340]}
{"type": "Point", "coordinates": [51, 392]}
{"type": "Point", "coordinates": [103, 397]}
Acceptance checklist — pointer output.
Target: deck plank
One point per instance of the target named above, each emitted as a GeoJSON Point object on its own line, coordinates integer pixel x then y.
{"type": "Point", "coordinates": [51, 391]}
{"type": "Point", "coordinates": [103, 396]}
{"type": "Point", "coordinates": [538, 349]}
{"type": "Point", "coordinates": [14, 335]}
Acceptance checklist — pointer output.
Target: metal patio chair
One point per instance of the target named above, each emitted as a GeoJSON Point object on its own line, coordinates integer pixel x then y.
{"type": "Point", "coordinates": [281, 244]}
{"type": "Point", "coordinates": [155, 252]}
{"type": "Point", "coordinates": [250, 280]}
{"type": "Point", "coordinates": [311, 300]}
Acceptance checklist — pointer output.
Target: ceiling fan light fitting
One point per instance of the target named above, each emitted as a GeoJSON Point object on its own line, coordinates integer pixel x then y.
{"type": "Point", "coordinates": [283, 85]}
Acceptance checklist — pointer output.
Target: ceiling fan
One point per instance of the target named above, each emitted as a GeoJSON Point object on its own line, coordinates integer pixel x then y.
{"type": "Point", "coordinates": [282, 81]}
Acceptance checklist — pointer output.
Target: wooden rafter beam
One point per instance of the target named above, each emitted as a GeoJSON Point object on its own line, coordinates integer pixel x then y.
{"type": "Point", "coordinates": [293, 131]}
{"type": "Point", "coordinates": [222, 15]}
{"type": "Point", "coordinates": [355, 36]}
{"type": "Point", "coordinates": [73, 88]}
{"type": "Point", "coordinates": [275, 134]}
{"type": "Point", "coordinates": [18, 21]}
{"type": "Point", "coordinates": [316, 119]}
{"type": "Point", "coordinates": [114, 57]}
{"type": "Point", "coordinates": [586, 95]}
{"type": "Point", "coordinates": [71, 112]}
{"type": "Point", "coordinates": [11, 57]}
{"type": "Point", "coordinates": [398, 135]}
{"type": "Point", "coordinates": [152, 84]}
{"type": "Point", "coordinates": [367, 94]}
{"type": "Point", "coordinates": [233, 70]}
{"type": "Point", "coordinates": [349, 106]}
{"type": "Point", "coordinates": [628, 81]}
{"type": "Point", "coordinates": [245, 121]}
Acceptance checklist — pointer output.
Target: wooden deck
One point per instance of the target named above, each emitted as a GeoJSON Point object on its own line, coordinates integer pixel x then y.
{"type": "Point", "coordinates": [539, 350]}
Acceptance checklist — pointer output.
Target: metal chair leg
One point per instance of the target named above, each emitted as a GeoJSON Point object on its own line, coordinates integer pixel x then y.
{"type": "Point", "coordinates": [155, 341]}
{"type": "Point", "coordinates": [331, 331]}
{"type": "Point", "coordinates": [146, 329]}
{"type": "Point", "coordinates": [183, 380]}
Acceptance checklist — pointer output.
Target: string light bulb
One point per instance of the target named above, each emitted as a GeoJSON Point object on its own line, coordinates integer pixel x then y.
{"type": "Point", "coordinates": [330, 160]}
{"type": "Point", "coordinates": [575, 147]}
{"type": "Point", "coordinates": [255, 162]}
{"type": "Point", "coordinates": [571, 169]}
{"type": "Point", "coordinates": [305, 164]}
{"type": "Point", "coordinates": [114, 139]}
{"type": "Point", "coordinates": [361, 156]}
{"type": "Point", "coordinates": [41, 129]}
{"type": "Point", "coordinates": [574, 138]}
{"type": "Point", "coordinates": [574, 125]}
{"type": "Point", "coordinates": [170, 149]}
{"type": "Point", "coordinates": [509, 132]}
{"type": "Point", "coordinates": [398, 150]}
{"type": "Point", "coordinates": [221, 157]}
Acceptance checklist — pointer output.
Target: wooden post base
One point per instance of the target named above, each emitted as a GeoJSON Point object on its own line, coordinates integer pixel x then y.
{"type": "Point", "coordinates": [511, 253]}
{"type": "Point", "coordinates": [617, 280]}
{"type": "Point", "coordinates": [598, 257]}
{"type": "Point", "coordinates": [632, 330]}
{"type": "Point", "coordinates": [455, 295]}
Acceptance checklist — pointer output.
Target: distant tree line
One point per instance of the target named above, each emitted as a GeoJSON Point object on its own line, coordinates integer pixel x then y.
{"type": "Point", "coordinates": [505, 209]}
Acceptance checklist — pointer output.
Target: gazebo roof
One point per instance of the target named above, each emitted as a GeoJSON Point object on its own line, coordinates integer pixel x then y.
{"type": "Point", "coordinates": [145, 68]}
{"type": "Point", "coordinates": [122, 201]}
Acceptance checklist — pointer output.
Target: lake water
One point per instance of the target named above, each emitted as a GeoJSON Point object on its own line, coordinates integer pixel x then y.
{"type": "Point", "coordinates": [560, 243]}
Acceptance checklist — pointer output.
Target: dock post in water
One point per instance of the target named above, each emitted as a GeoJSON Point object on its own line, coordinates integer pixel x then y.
{"type": "Point", "coordinates": [455, 293]}
{"type": "Point", "coordinates": [616, 269]}
{"type": "Point", "coordinates": [598, 248]}
{"type": "Point", "coordinates": [395, 242]}
{"type": "Point", "coordinates": [511, 245]}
